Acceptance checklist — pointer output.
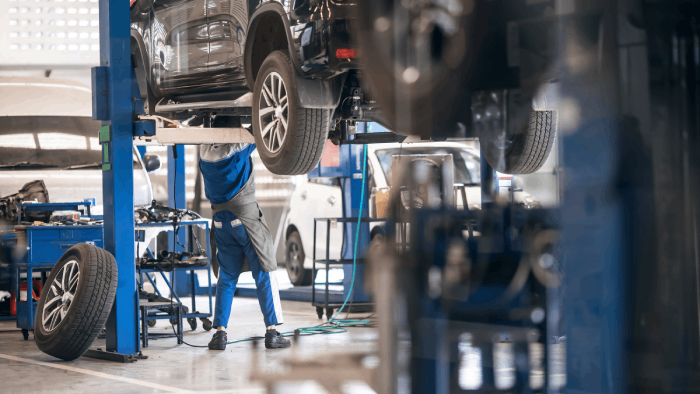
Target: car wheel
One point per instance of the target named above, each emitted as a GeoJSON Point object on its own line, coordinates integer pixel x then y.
{"type": "Point", "coordinates": [76, 301]}
{"type": "Point", "coordinates": [527, 150]}
{"type": "Point", "coordinates": [295, 262]}
{"type": "Point", "coordinates": [290, 139]}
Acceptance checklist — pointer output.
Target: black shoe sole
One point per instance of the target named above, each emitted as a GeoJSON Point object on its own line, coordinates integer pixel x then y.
{"type": "Point", "coordinates": [277, 345]}
{"type": "Point", "coordinates": [217, 347]}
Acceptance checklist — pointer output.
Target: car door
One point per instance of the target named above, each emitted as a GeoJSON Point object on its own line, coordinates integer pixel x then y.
{"type": "Point", "coordinates": [228, 23]}
{"type": "Point", "coordinates": [318, 198]}
{"type": "Point", "coordinates": [180, 43]}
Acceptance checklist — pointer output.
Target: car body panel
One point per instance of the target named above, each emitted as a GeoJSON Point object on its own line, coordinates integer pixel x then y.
{"type": "Point", "coordinates": [308, 206]}
{"type": "Point", "coordinates": [17, 93]}
{"type": "Point", "coordinates": [22, 97]}
{"type": "Point", "coordinates": [200, 45]}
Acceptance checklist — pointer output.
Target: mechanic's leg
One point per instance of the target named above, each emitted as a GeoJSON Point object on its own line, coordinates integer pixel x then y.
{"type": "Point", "coordinates": [267, 290]}
{"type": "Point", "coordinates": [230, 257]}
{"type": "Point", "coordinates": [269, 299]}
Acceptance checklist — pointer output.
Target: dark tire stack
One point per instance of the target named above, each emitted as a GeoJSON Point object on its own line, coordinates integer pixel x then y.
{"type": "Point", "coordinates": [89, 309]}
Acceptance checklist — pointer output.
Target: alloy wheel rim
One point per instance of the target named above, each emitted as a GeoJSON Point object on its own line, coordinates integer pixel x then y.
{"type": "Point", "coordinates": [294, 259]}
{"type": "Point", "coordinates": [60, 295]}
{"type": "Point", "coordinates": [273, 112]}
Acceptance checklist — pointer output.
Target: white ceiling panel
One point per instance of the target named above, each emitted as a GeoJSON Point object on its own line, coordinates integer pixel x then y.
{"type": "Point", "coordinates": [49, 33]}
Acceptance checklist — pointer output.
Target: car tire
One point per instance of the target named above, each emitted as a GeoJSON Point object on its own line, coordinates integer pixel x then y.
{"type": "Point", "coordinates": [525, 152]}
{"type": "Point", "coordinates": [296, 149]}
{"type": "Point", "coordinates": [64, 328]}
{"type": "Point", "coordinates": [298, 275]}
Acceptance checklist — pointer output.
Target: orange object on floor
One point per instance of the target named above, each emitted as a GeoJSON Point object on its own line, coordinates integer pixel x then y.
{"type": "Point", "coordinates": [36, 288]}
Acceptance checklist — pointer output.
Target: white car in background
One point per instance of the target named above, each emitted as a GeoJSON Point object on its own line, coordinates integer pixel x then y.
{"type": "Point", "coordinates": [322, 198]}
{"type": "Point", "coordinates": [47, 133]}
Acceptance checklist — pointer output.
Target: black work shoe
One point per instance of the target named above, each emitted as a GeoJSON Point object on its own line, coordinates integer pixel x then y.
{"type": "Point", "coordinates": [218, 342]}
{"type": "Point", "coordinates": [274, 340]}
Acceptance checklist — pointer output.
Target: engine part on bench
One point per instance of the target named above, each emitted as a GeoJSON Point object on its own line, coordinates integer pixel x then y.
{"type": "Point", "coordinates": [31, 191]}
{"type": "Point", "coordinates": [157, 213]}
{"type": "Point", "coordinates": [167, 261]}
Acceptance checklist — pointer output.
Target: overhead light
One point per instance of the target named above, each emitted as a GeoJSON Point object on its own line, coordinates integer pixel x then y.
{"type": "Point", "coordinates": [14, 47]}
{"type": "Point", "coordinates": [95, 47]}
{"type": "Point", "coordinates": [73, 47]}
{"type": "Point", "coordinates": [13, 22]}
{"type": "Point", "coordinates": [83, 22]}
{"type": "Point", "coordinates": [95, 22]}
{"type": "Point", "coordinates": [85, 47]}
{"type": "Point", "coordinates": [13, 10]}
{"type": "Point", "coordinates": [94, 10]}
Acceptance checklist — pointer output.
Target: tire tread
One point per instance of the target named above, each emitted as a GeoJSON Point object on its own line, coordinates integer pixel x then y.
{"type": "Point", "coordinates": [92, 309]}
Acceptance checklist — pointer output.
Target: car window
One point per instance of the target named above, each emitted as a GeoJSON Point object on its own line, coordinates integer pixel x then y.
{"type": "Point", "coordinates": [51, 141]}
{"type": "Point", "coordinates": [467, 166]}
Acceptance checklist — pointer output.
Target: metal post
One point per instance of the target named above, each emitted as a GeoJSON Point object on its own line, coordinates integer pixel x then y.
{"type": "Point", "coordinates": [176, 199]}
{"type": "Point", "coordinates": [118, 176]}
{"type": "Point", "coordinates": [354, 196]}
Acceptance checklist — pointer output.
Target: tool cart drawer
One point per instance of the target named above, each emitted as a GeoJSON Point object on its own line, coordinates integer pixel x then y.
{"type": "Point", "coordinates": [46, 244]}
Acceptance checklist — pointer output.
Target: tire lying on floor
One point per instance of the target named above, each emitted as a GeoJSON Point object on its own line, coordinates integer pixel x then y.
{"type": "Point", "coordinates": [75, 301]}
{"type": "Point", "coordinates": [289, 138]}
{"type": "Point", "coordinates": [526, 150]}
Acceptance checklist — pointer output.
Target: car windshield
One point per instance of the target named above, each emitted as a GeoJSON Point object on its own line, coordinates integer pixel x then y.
{"type": "Point", "coordinates": [467, 168]}
{"type": "Point", "coordinates": [36, 142]}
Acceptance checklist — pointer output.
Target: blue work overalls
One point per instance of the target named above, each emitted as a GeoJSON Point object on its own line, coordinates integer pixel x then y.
{"type": "Point", "coordinates": [225, 169]}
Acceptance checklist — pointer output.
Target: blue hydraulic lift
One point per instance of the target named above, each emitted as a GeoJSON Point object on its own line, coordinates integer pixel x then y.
{"type": "Point", "coordinates": [113, 104]}
{"type": "Point", "coordinates": [116, 101]}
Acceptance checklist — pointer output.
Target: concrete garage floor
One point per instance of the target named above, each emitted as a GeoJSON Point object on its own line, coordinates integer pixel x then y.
{"type": "Point", "coordinates": [180, 368]}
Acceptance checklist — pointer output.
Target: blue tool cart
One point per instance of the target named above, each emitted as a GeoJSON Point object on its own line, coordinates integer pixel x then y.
{"type": "Point", "coordinates": [151, 313]}
{"type": "Point", "coordinates": [45, 245]}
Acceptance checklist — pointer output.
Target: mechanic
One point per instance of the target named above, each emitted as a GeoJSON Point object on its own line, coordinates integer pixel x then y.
{"type": "Point", "coordinates": [241, 237]}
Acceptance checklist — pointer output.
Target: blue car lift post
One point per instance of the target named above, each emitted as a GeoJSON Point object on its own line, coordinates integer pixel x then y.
{"type": "Point", "coordinates": [113, 104]}
{"type": "Point", "coordinates": [346, 164]}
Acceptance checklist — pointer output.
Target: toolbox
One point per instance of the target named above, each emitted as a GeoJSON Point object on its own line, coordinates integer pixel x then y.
{"type": "Point", "coordinates": [45, 245]}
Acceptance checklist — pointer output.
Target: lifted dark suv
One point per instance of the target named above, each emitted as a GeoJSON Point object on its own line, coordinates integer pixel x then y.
{"type": "Point", "coordinates": [197, 59]}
